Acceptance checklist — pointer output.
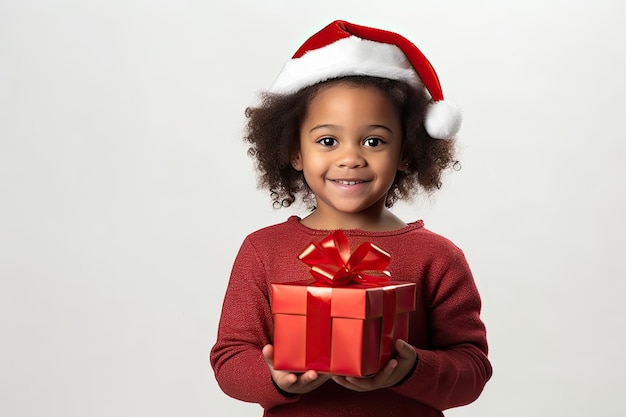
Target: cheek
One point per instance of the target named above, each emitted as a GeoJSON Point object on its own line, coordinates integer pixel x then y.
{"type": "Point", "coordinates": [312, 168]}
{"type": "Point", "coordinates": [313, 161]}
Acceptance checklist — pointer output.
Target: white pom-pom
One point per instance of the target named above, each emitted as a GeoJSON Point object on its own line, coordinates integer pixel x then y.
{"type": "Point", "coordinates": [443, 119]}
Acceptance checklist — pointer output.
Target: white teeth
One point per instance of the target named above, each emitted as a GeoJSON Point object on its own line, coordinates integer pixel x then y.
{"type": "Point", "coordinates": [348, 182]}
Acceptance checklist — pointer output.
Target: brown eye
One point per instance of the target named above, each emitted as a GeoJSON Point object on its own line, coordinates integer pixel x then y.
{"type": "Point", "coordinates": [373, 142]}
{"type": "Point", "coordinates": [327, 141]}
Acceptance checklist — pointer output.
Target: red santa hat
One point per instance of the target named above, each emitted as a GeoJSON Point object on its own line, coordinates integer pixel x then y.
{"type": "Point", "coordinates": [343, 49]}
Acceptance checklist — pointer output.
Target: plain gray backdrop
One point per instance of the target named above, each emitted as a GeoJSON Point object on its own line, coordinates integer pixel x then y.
{"type": "Point", "coordinates": [126, 191]}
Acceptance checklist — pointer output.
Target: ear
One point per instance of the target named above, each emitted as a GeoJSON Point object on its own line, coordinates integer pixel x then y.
{"type": "Point", "coordinates": [296, 161]}
{"type": "Point", "coordinates": [403, 164]}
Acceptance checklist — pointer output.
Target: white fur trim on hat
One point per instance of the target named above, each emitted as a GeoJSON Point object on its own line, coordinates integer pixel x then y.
{"type": "Point", "coordinates": [347, 56]}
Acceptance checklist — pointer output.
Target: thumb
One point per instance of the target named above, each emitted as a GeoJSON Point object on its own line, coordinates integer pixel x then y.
{"type": "Point", "coordinates": [268, 354]}
{"type": "Point", "coordinates": [405, 350]}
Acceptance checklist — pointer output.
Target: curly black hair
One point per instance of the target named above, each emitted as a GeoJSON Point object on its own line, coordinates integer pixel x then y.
{"type": "Point", "coordinates": [273, 132]}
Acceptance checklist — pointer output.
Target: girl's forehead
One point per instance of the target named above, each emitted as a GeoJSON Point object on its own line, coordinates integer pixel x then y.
{"type": "Point", "coordinates": [349, 105]}
{"type": "Point", "coordinates": [339, 90]}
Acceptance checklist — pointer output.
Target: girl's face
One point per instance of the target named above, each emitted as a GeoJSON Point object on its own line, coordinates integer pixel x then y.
{"type": "Point", "coordinates": [350, 150]}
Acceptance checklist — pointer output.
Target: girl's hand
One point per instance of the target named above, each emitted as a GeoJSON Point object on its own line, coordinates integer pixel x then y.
{"type": "Point", "coordinates": [290, 382]}
{"type": "Point", "coordinates": [390, 375]}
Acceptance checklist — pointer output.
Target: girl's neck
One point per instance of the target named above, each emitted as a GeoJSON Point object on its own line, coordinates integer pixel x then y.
{"type": "Point", "coordinates": [384, 220]}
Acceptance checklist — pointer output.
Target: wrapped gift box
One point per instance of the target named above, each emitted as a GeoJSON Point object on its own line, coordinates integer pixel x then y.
{"type": "Point", "coordinates": [346, 330]}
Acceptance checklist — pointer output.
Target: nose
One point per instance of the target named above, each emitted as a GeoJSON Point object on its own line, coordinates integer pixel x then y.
{"type": "Point", "coordinates": [350, 156]}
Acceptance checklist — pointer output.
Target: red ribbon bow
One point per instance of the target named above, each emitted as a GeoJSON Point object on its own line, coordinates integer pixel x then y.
{"type": "Point", "coordinates": [331, 262]}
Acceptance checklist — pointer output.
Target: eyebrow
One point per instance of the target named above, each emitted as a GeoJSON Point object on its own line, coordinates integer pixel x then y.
{"type": "Point", "coordinates": [335, 127]}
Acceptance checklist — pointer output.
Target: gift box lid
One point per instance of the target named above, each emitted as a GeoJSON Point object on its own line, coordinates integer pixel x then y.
{"type": "Point", "coordinates": [359, 301]}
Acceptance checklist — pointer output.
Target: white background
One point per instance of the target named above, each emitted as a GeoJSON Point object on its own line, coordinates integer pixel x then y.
{"type": "Point", "coordinates": [126, 191]}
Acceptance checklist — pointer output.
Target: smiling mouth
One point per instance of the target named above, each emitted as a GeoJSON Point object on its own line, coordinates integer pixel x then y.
{"type": "Point", "coordinates": [348, 182]}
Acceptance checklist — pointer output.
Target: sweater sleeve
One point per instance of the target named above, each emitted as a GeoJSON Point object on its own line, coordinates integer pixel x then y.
{"type": "Point", "coordinates": [245, 327]}
{"type": "Point", "coordinates": [454, 369]}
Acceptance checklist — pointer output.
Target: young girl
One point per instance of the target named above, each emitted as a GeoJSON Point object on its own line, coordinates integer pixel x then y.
{"type": "Point", "coordinates": [355, 121]}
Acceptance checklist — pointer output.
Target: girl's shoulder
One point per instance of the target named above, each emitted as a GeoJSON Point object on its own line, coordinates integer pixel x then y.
{"type": "Point", "coordinates": [280, 235]}
{"type": "Point", "coordinates": [288, 227]}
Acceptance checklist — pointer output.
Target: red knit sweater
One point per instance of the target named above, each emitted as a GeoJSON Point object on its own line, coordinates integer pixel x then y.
{"type": "Point", "coordinates": [446, 329]}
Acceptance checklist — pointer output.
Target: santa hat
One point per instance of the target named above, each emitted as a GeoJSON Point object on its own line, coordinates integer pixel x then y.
{"type": "Point", "coordinates": [343, 49]}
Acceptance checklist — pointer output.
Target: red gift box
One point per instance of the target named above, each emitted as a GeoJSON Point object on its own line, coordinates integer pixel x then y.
{"type": "Point", "coordinates": [344, 322]}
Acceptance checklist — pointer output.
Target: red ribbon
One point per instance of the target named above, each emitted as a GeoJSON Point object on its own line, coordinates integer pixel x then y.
{"type": "Point", "coordinates": [332, 264]}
